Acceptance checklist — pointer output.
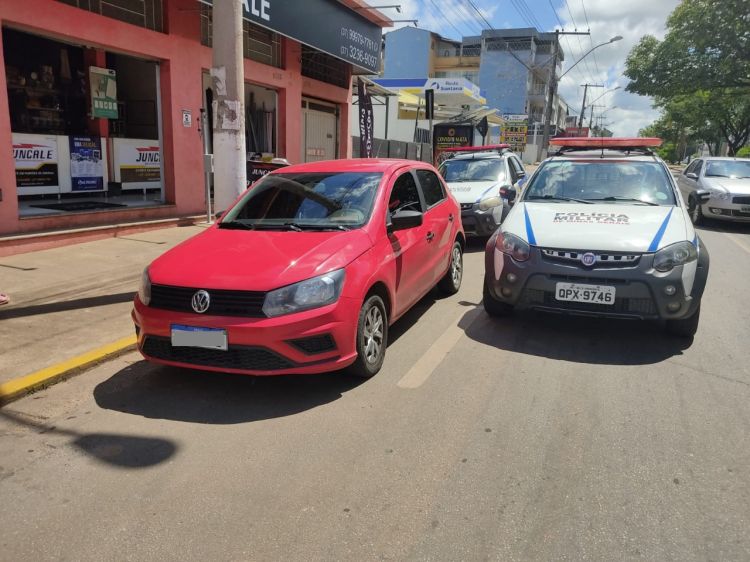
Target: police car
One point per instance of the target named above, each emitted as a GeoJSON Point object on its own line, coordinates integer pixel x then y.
{"type": "Point", "coordinates": [479, 177]}
{"type": "Point", "coordinates": [600, 229]}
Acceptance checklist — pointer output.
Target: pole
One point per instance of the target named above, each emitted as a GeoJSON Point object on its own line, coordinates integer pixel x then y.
{"type": "Point", "coordinates": [230, 154]}
{"type": "Point", "coordinates": [207, 163]}
{"type": "Point", "coordinates": [583, 105]}
{"type": "Point", "coordinates": [551, 98]}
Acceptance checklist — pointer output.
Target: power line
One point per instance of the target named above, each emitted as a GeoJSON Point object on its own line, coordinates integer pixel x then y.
{"type": "Point", "coordinates": [438, 10]}
{"type": "Point", "coordinates": [468, 16]}
{"type": "Point", "coordinates": [588, 25]}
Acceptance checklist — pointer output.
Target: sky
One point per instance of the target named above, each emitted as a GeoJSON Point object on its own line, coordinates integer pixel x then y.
{"type": "Point", "coordinates": [623, 113]}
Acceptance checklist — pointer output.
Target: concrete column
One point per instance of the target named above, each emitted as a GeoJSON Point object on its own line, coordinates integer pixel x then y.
{"type": "Point", "coordinates": [228, 74]}
{"type": "Point", "coordinates": [8, 191]}
{"type": "Point", "coordinates": [290, 104]}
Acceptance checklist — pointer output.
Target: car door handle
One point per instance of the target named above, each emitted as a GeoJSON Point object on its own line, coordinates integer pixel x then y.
{"type": "Point", "coordinates": [430, 236]}
{"type": "Point", "coordinates": [450, 217]}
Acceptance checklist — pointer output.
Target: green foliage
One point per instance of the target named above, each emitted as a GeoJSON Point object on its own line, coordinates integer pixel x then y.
{"type": "Point", "coordinates": [744, 152]}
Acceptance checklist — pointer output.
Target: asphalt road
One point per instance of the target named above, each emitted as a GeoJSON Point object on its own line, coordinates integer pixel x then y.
{"type": "Point", "coordinates": [530, 438]}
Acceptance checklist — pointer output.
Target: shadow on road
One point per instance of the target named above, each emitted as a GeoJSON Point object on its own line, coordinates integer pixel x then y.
{"type": "Point", "coordinates": [576, 339]}
{"type": "Point", "coordinates": [170, 393]}
{"type": "Point", "coordinates": [475, 245]}
{"type": "Point", "coordinates": [63, 306]}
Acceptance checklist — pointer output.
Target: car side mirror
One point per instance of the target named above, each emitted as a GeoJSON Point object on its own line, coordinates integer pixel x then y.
{"type": "Point", "coordinates": [405, 219]}
{"type": "Point", "coordinates": [691, 175]}
{"type": "Point", "coordinates": [218, 214]}
{"type": "Point", "coordinates": [520, 175]}
{"type": "Point", "coordinates": [703, 195]}
{"type": "Point", "coordinates": [509, 193]}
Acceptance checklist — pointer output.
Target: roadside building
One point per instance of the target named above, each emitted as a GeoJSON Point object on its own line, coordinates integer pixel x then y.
{"type": "Point", "coordinates": [101, 101]}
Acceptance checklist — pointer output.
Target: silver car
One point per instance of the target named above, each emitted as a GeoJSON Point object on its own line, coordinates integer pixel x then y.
{"type": "Point", "coordinates": [717, 188]}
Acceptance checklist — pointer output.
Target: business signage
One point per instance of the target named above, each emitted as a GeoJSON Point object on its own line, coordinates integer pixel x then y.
{"type": "Point", "coordinates": [138, 160]}
{"type": "Point", "coordinates": [326, 25]}
{"type": "Point", "coordinates": [103, 86]}
{"type": "Point", "coordinates": [366, 123]}
{"type": "Point", "coordinates": [35, 159]}
{"type": "Point", "coordinates": [577, 132]}
{"type": "Point", "coordinates": [514, 131]}
{"type": "Point", "coordinates": [256, 170]}
{"type": "Point", "coordinates": [86, 165]}
{"type": "Point", "coordinates": [449, 136]}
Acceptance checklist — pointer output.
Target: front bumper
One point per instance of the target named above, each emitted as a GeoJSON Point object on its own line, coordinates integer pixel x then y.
{"type": "Point", "coordinates": [640, 291]}
{"type": "Point", "coordinates": [314, 341]}
{"type": "Point", "coordinates": [481, 223]}
{"type": "Point", "coordinates": [736, 208]}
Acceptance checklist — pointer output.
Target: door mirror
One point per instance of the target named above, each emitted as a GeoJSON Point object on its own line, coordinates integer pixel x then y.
{"type": "Point", "coordinates": [703, 195]}
{"type": "Point", "coordinates": [692, 176]}
{"type": "Point", "coordinates": [404, 219]}
{"type": "Point", "coordinates": [508, 193]}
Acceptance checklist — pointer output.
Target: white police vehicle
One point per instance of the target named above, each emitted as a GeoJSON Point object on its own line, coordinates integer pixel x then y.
{"type": "Point", "coordinates": [600, 229]}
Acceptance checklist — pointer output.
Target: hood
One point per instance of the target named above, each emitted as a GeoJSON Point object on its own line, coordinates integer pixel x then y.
{"type": "Point", "coordinates": [735, 186]}
{"type": "Point", "coordinates": [610, 227]}
{"type": "Point", "coordinates": [473, 191]}
{"type": "Point", "coordinates": [256, 260]}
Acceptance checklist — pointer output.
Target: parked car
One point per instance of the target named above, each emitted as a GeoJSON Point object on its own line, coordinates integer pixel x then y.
{"type": "Point", "coordinates": [725, 185]}
{"type": "Point", "coordinates": [305, 272]}
{"type": "Point", "coordinates": [481, 179]}
{"type": "Point", "coordinates": [600, 230]}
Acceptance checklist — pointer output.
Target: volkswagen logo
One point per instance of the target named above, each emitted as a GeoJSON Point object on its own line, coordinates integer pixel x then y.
{"type": "Point", "coordinates": [201, 301]}
{"type": "Point", "coordinates": [588, 259]}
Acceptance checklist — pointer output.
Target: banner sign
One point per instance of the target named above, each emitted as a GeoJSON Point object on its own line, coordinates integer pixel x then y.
{"type": "Point", "coordinates": [257, 170]}
{"type": "Point", "coordinates": [138, 160]}
{"type": "Point", "coordinates": [365, 120]}
{"type": "Point", "coordinates": [577, 132]}
{"type": "Point", "coordinates": [514, 132]}
{"type": "Point", "coordinates": [448, 136]}
{"type": "Point", "coordinates": [103, 86]}
{"type": "Point", "coordinates": [36, 160]}
{"type": "Point", "coordinates": [326, 25]}
{"type": "Point", "coordinates": [86, 165]}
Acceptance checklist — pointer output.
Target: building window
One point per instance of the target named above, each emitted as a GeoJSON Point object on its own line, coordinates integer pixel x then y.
{"type": "Point", "coordinates": [323, 67]}
{"type": "Point", "coordinates": [258, 43]}
{"type": "Point", "coordinates": [143, 13]}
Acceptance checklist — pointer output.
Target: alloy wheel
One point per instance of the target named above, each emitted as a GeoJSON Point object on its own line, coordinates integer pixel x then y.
{"type": "Point", "coordinates": [456, 266]}
{"type": "Point", "coordinates": [373, 334]}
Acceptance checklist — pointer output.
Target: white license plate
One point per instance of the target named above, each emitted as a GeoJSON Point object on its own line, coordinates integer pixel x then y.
{"type": "Point", "coordinates": [745, 208]}
{"type": "Point", "coordinates": [576, 292]}
{"type": "Point", "coordinates": [194, 336]}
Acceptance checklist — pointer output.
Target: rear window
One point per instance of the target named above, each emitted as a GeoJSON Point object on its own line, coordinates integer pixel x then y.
{"type": "Point", "coordinates": [602, 180]}
{"type": "Point", "coordinates": [486, 169]}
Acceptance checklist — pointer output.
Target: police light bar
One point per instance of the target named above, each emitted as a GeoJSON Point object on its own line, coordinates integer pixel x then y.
{"type": "Point", "coordinates": [606, 142]}
{"type": "Point", "coordinates": [488, 147]}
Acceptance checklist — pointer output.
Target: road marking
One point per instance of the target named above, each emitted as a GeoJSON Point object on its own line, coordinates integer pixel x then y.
{"type": "Point", "coordinates": [741, 243]}
{"type": "Point", "coordinates": [425, 365]}
{"type": "Point", "coordinates": [15, 388]}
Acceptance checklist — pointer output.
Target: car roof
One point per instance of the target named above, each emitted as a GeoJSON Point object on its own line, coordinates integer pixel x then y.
{"type": "Point", "coordinates": [363, 165]}
{"type": "Point", "coordinates": [721, 158]}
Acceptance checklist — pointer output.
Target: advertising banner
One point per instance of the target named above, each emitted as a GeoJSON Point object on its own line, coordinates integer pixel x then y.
{"type": "Point", "coordinates": [137, 161]}
{"type": "Point", "coordinates": [577, 132]}
{"type": "Point", "coordinates": [448, 136]}
{"type": "Point", "coordinates": [365, 120]}
{"type": "Point", "coordinates": [36, 160]}
{"type": "Point", "coordinates": [257, 169]}
{"type": "Point", "coordinates": [103, 85]}
{"type": "Point", "coordinates": [514, 132]}
{"type": "Point", "coordinates": [86, 164]}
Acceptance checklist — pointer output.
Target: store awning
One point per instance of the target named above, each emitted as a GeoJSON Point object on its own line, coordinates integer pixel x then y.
{"type": "Point", "coordinates": [449, 92]}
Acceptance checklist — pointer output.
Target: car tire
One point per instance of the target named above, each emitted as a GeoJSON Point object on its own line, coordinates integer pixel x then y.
{"type": "Point", "coordinates": [696, 211]}
{"type": "Point", "coordinates": [372, 330]}
{"type": "Point", "coordinates": [494, 307]}
{"type": "Point", "coordinates": [451, 281]}
{"type": "Point", "coordinates": [686, 327]}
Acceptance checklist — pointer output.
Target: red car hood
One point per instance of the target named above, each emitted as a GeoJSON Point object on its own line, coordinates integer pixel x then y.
{"type": "Point", "coordinates": [256, 260]}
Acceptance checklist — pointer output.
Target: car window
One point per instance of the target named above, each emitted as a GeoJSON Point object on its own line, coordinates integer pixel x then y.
{"type": "Point", "coordinates": [625, 181]}
{"type": "Point", "coordinates": [691, 167]}
{"type": "Point", "coordinates": [728, 169]}
{"type": "Point", "coordinates": [405, 194]}
{"type": "Point", "coordinates": [516, 167]}
{"type": "Point", "coordinates": [481, 169]}
{"type": "Point", "coordinates": [698, 167]}
{"type": "Point", "coordinates": [432, 187]}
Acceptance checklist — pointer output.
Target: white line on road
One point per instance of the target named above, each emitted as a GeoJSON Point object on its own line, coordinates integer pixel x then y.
{"type": "Point", "coordinates": [741, 243]}
{"type": "Point", "coordinates": [425, 365]}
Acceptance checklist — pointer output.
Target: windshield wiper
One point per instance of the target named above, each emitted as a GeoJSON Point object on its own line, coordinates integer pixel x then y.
{"type": "Point", "coordinates": [612, 198]}
{"type": "Point", "coordinates": [297, 227]}
{"type": "Point", "coordinates": [236, 225]}
{"type": "Point", "coordinates": [555, 198]}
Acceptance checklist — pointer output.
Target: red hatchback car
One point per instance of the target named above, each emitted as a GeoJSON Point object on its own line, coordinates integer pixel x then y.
{"type": "Point", "coordinates": [305, 272]}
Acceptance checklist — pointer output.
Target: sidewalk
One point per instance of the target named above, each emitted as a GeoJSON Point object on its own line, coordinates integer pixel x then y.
{"type": "Point", "coordinates": [68, 301]}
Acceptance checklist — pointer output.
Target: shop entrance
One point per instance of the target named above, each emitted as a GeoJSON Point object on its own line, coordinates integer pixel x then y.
{"type": "Point", "coordinates": [85, 127]}
{"type": "Point", "coordinates": [319, 131]}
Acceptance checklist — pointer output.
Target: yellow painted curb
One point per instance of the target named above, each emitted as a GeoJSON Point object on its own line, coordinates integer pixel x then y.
{"type": "Point", "coordinates": [16, 388]}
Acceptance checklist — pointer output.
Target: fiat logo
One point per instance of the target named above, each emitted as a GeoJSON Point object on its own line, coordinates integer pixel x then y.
{"type": "Point", "coordinates": [588, 259]}
{"type": "Point", "coordinates": [201, 301]}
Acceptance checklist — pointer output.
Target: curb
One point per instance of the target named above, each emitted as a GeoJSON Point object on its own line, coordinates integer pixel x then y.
{"type": "Point", "coordinates": [16, 388]}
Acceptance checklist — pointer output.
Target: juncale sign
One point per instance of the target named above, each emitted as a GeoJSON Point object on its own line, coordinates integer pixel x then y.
{"type": "Point", "coordinates": [326, 25]}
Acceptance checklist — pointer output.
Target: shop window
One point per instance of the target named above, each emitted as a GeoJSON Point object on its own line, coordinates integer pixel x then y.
{"type": "Point", "coordinates": [258, 43]}
{"type": "Point", "coordinates": [324, 67]}
{"type": "Point", "coordinates": [143, 13]}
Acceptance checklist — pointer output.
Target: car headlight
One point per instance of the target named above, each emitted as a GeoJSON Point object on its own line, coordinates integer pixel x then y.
{"type": "Point", "coordinates": [490, 203]}
{"type": "Point", "coordinates": [311, 293]}
{"type": "Point", "coordinates": [675, 254]}
{"type": "Point", "coordinates": [720, 195]}
{"type": "Point", "coordinates": [513, 246]}
{"type": "Point", "coordinates": [144, 289]}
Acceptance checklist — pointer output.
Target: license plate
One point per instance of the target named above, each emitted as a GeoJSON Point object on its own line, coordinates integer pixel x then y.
{"type": "Point", "coordinates": [576, 292]}
{"type": "Point", "coordinates": [745, 208]}
{"type": "Point", "coordinates": [195, 336]}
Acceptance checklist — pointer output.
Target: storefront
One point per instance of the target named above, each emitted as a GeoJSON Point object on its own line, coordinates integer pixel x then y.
{"type": "Point", "coordinates": [100, 102]}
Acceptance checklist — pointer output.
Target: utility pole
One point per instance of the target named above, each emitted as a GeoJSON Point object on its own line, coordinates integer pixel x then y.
{"type": "Point", "coordinates": [228, 76]}
{"type": "Point", "coordinates": [583, 105]}
{"type": "Point", "coordinates": [552, 90]}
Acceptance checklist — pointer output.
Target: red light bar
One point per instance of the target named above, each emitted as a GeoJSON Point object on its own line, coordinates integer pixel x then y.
{"type": "Point", "coordinates": [606, 142]}
{"type": "Point", "coordinates": [475, 148]}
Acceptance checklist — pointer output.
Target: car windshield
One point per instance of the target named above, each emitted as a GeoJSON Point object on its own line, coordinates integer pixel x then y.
{"type": "Point", "coordinates": [728, 168]}
{"type": "Point", "coordinates": [626, 182]}
{"type": "Point", "coordinates": [307, 201]}
{"type": "Point", "coordinates": [484, 169]}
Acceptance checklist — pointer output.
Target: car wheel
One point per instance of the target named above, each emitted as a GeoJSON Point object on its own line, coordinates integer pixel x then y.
{"type": "Point", "coordinates": [686, 327]}
{"type": "Point", "coordinates": [492, 306]}
{"type": "Point", "coordinates": [372, 338]}
{"type": "Point", "coordinates": [695, 210]}
{"type": "Point", "coordinates": [451, 281]}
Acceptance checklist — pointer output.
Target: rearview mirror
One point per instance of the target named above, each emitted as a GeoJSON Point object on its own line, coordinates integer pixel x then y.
{"type": "Point", "coordinates": [691, 175]}
{"type": "Point", "coordinates": [509, 193]}
{"type": "Point", "coordinates": [405, 219]}
{"type": "Point", "coordinates": [703, 195]}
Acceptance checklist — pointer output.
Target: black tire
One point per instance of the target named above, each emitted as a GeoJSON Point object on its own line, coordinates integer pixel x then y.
{"type": "Point", "coordinates": [368, 363]}
{"type": "Point", "coordinates": [494, 307]}
{"type": "Point", "coordinates": [451, 281]}
{"type": "Point", "coordinates": [686, 327]}
{"type": "Point", "coordinates": [696, 211]}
